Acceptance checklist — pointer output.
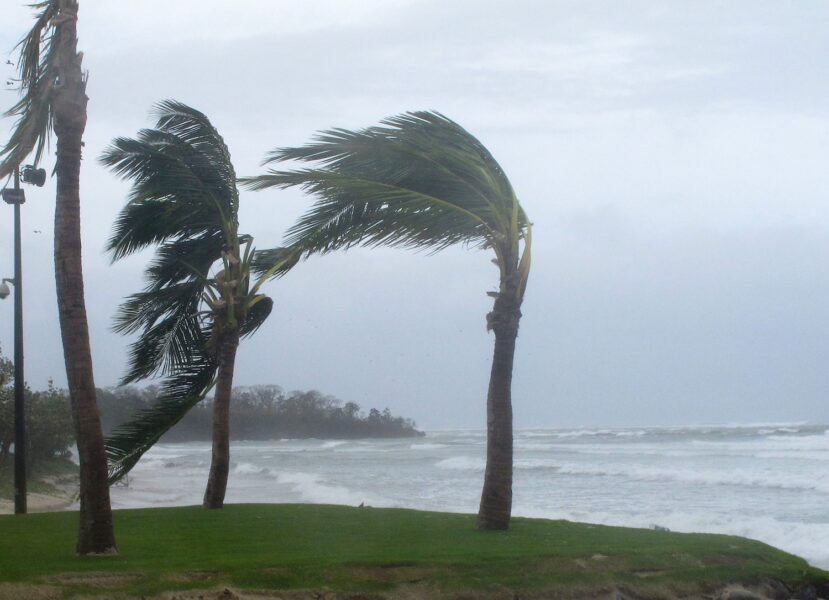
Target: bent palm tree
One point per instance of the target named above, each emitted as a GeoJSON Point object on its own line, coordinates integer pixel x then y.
{"type": "Point", "coordinates": [419, 180]}
{"type": "Point", "coordinates": [184, 201]}
{"type": "Point", "coordinates": [53, 97]}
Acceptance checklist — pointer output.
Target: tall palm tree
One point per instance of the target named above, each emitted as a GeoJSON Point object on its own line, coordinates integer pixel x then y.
{"type": "Point", "coordinates": [419, 180]}
{"type": "Point", "coordinates": [184, 202]}
{"type": "Point", "coordinates": [53, 98]}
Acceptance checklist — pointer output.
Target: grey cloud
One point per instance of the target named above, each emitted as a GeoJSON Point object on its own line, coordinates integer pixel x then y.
{"type": "Point", "coordinates": [671, 156]}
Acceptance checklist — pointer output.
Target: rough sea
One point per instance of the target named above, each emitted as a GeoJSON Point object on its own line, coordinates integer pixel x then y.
{"type": "Point", "coordinates": [767, 482]}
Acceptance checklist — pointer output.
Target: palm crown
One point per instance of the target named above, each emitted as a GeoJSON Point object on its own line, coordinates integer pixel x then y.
{"type": "Point", "coordinates": [184, 201]}
{"type": "Point", "coordinates": [39, 74]}
{"type": "Point", "coordinates": [416, 180]}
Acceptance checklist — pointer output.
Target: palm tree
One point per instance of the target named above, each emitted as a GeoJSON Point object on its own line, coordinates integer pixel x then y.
{"type": "Point", "coordinates": [184, 201]}
{"type": "Point", "coordinates": [53, 97]}
{"type": "Point", "coordinates": [419, 180]}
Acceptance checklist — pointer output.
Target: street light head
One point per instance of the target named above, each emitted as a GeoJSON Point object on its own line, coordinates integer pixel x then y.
{"type": "Point", "coordinates": [4, 291]}
{"type": "Point", "coordinates": [33, 175]}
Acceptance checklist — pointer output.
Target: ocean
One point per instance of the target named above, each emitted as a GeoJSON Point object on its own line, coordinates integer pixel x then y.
{"type": "Point", "coordinates": [767, 482]}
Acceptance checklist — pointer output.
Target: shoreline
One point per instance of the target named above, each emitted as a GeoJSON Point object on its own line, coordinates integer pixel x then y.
{"type": "Point", "coordinates": [59, 498]}
{"type": "Point", "coordinates": [40, 503]}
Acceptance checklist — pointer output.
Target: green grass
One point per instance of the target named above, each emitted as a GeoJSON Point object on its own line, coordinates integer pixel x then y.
{"type": "Point", "coordinates": [313, 546]}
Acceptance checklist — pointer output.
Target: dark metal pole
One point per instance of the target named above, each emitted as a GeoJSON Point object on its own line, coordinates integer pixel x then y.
{"type": "Point", "coordinates": [19, 414]}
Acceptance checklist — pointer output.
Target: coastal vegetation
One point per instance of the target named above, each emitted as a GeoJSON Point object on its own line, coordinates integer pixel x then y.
{"type": "Point", "coordinates": [379, 551]}
{"type": "Point", "coordinates": [53, 101]}
{"type": "Point", "coordinates": [420, 180]}
{"type": "Point", "coordinates": [264, 412]}
{"type": "Point", "coordinates": [260, 413]}
{"type": "Point", "coordinates": [49, 420]}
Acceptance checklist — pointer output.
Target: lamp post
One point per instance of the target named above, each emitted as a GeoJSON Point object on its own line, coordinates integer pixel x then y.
{"type": "Point", "coordinates": [16, 197]}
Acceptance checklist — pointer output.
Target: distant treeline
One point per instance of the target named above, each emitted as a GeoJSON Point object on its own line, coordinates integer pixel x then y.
{"type": "Point", "coordinates": [262, 413]}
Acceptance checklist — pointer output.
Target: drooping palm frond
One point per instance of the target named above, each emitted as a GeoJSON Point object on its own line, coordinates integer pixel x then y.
{"type": "Point", "coordinates": [37, 71]}
{"type": "Point", "coordinates": [164, 347]}
{"type": "Point", "coordinates": [258, 312]}
{"type": "Point", "coordinates": [179, 393]}
{"type": "Point", "coordinates": [417, 180]}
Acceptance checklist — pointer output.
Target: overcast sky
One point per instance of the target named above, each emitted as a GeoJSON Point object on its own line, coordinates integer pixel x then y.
{"type": "Point", "coordinates": [672, 156]}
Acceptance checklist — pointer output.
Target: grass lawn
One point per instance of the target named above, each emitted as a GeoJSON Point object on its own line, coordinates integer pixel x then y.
{"type": "Point", "coordinates": [289, 546]}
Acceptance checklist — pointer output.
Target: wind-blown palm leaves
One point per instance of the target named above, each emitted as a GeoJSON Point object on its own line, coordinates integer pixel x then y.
{"type": "Point", "coordinates": [419, 180]}
{"type": "Point", "coordinates": [37, 68]}
{"type": "Point", "coordinates": [53, 99]}
{"type": "Point", "coordinates": [185, 203]}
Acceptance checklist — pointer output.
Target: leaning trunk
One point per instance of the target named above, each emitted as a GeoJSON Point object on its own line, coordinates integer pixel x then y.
{"type": "Point", "coordinates": [496, 497]}
{"type": "Point", "coordinates": [96, 534]}
{"type": "Point", "coordinates": [214, 495]}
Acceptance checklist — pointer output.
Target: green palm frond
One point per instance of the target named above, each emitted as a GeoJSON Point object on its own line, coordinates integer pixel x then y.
{"type": "Point", "coordinates": [258, 311]}
{"type": "Point", "coordinates": [190, 382]}
{"type": "Point", "coordinates": [354, 210]}
{"type": "Point", "coordinates": [173, 196]}
{"type": "Point", "coordinates": [417, 180]}
{"type": "Point", "coordinates": [273, 262]}
{"type": "Point", "coordinates": [164, 347]}
{"type": "Point", "coordinates": [184, 260]}
{"type": "Point", "coordinates": [425, 145]}
{"type": "Point", "coordinates": [195, 129]}
{"type": "Point", "coordinates": [179, 393]}
{"type": "Point", "coordinates": [37, 72]}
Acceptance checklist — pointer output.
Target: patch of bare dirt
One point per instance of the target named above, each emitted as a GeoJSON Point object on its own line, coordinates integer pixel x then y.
{"type": "Point", "coordinates": [22, 591]}
{"type": "Point", "coordinates": [396, 573]}
{"type": "Point", "coordinates": [95, 579]}
{"type": "Point", "coordinates": [192, 576]}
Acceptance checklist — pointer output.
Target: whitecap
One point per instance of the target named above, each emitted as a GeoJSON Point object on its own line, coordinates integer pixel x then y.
{"type": "Point", "coordinates": [249, 469]}
{"type": "Point", "coordinates": [427, 446]}
{"type": "Point", "coordinates": [311, 488]}
{"type": "Point", "coordinates": [759, 478]}
{"type": "Point", "coordinates": [462, 463]}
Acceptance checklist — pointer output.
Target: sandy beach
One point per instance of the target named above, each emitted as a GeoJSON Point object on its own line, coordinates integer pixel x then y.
{"type": "Point", "coordinates": [60, 499]}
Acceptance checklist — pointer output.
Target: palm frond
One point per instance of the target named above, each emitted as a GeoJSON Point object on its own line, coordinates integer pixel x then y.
{"type": "Point", "coordinates": [179, 393]}
{"type": "Point", "coordinates": [36, 68]}
{"type": "Point", "coordinates": [194, 128]}
{"type": "Point", "coordinates": [183, 182]}
{"type": "Point", "coordinates": [184, 260]}
{"type": "Point", "coordinates": [168, 199]}
{"type": "Point", "coordinates": [274, 262]}
{"type": "Point", "coordinates": [165, 346]}
{"type": "Point", "coordinates": [353, 211]}
{"type": "Point", "coordinates": [258, 311]}
{"type": "Point", "coordinates": [417, 180]}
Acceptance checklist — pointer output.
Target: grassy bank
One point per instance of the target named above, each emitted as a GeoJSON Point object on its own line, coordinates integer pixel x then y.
{"type": "Point", "coordinates": [370, 549]}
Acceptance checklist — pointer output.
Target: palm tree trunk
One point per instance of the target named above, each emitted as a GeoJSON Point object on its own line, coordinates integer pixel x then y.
{"type": "Point", "coordinates": [214, 495]}
{"type": "Point", "coordinates": [96, 534]}
{"type": "Point", "coordinates": [496, 497]}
